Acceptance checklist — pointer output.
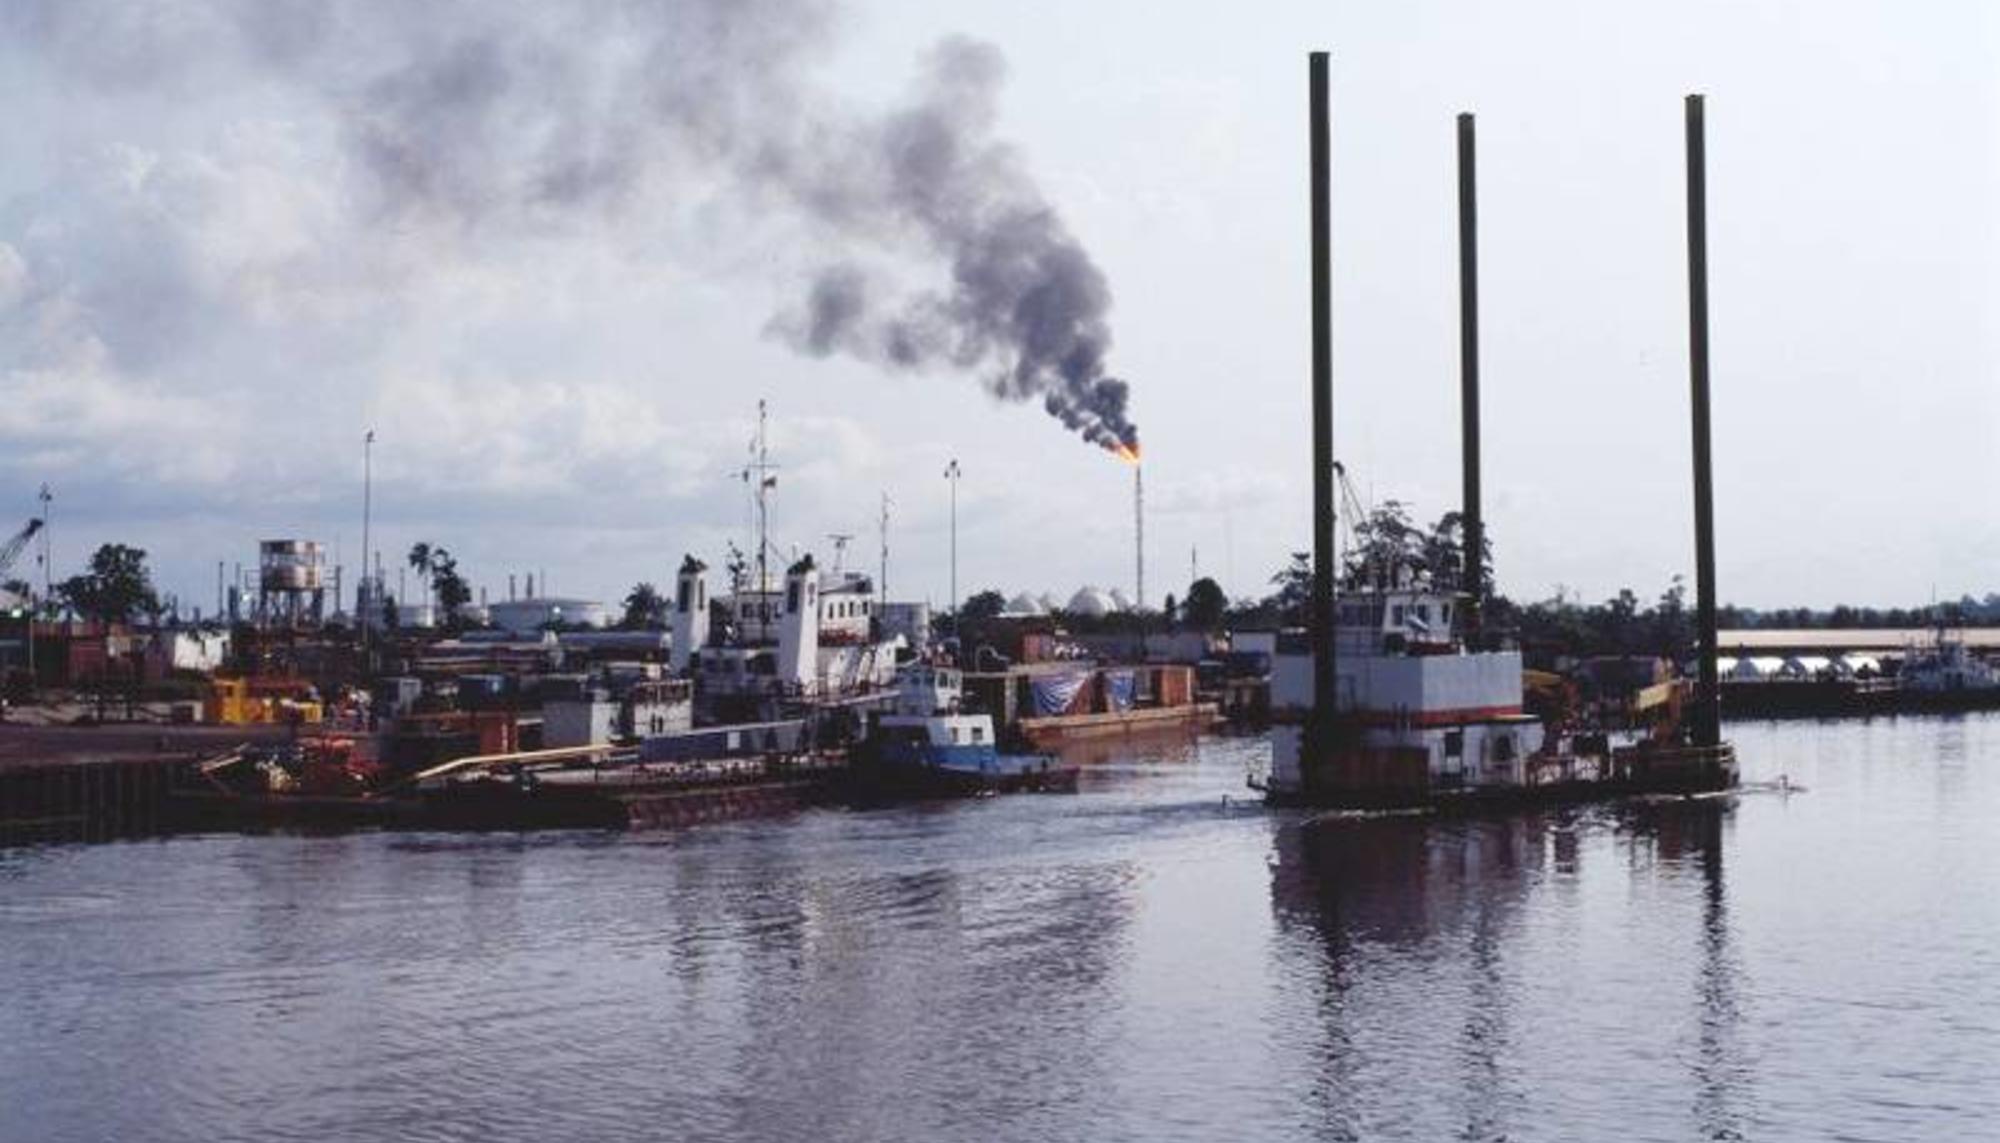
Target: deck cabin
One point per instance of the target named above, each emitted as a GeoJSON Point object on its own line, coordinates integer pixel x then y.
{"type": "Point", "coordinates": [1418, 710]}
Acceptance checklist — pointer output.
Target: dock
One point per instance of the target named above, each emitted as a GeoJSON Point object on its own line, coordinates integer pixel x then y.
{"type": "Point", "coordinates": [87, 783]}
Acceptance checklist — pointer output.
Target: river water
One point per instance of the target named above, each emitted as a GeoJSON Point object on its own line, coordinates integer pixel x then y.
{"type": "Point", "coordinates": [1153, 958]}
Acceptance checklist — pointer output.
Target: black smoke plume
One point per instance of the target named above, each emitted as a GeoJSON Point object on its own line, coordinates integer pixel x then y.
{"type": "Point", "coordinates": [484, 117]}
{"type": "Point", "coordinates": [1025, 307]}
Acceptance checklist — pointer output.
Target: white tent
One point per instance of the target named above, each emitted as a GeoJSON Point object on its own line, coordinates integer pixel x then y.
{"type": "Point", "coordinates": [1757, 667]}
{"type": "Point", "coordinates": [1858, 666]}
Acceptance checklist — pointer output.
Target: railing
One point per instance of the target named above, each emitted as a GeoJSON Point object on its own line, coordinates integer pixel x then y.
{"type": "Point", "coordinates": [1639, 761]}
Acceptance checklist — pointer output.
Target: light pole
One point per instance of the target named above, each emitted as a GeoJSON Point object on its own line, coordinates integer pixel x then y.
{"type": "Point", "coordinates": [48, 590]}
{"type": "Point", "coordinates": [362, 593]}
{"type": "Point", "coordinates": [952, 473]}
{"type": "Point", "coordinates": [48, 568]}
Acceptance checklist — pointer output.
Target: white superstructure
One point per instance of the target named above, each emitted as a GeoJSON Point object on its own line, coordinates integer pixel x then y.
{"type": "Point", "coordinates": [1946, 667]}
{"type": "Point", "coordinates": [811, 641]}
{"type": "Point", "coordinates": [1414, 704]}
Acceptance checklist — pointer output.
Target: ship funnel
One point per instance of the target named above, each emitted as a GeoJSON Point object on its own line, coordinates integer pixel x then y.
{"type": "Point", "coordinates": [690, 618]}
{"type": "Point", "coordinates": [798, 631]}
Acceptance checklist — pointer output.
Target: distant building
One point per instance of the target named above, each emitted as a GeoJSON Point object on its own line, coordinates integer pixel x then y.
{"type": "Point", "coordinates": [526, 616]}
{"type": "Point", "coordinates": [910, 620]}
{"type": "Point", "coordinates": [193, 649]}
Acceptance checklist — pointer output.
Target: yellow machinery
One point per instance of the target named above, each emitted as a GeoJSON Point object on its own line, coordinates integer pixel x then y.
{"type": "Point", "coordinates": [252, 702]}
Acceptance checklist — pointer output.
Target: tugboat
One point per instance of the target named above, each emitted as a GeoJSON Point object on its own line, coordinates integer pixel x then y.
{"type": "Point", "coordinates": [1944, 675]}
{"type": "Point", "coordinates": [927, 745]}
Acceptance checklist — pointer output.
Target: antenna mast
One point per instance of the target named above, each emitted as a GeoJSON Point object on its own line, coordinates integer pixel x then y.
{"type": "Point", "coordinates": [758, 474]}
{"type": "Point", "coordinates": [882, 583]}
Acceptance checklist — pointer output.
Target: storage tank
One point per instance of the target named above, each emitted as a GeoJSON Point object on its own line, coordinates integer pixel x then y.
{"type": "Point", "coordinates": [291, 581]}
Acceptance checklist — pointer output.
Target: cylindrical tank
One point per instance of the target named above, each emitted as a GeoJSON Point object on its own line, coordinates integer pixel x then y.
{"type": "Point", "coordinates": [291, 566]}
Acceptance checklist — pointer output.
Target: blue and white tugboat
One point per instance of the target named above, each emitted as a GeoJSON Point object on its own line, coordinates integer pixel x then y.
{"type": "Point", "coordinates": [927, 745]}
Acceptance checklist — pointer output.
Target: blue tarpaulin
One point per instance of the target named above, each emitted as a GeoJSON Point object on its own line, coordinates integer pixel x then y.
{"type": "Point", "coordinates": [1053, 694]}
{"type": "Point", "coordinates": [1119, 687]}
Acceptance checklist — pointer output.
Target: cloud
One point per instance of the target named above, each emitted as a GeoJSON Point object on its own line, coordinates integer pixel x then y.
{"type": "Point", "coordinates": [260, 226]}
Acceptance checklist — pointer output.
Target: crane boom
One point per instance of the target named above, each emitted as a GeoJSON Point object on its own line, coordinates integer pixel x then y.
{"type": "Point", "coordinates": [12, 548]}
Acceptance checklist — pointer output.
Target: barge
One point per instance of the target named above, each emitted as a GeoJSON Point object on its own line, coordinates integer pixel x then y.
{"type": "Point", "coordinates": [669, 780]}
{"type": "Point", "coordinates": [1425, 721]}
{"type": "Point", "coordinates": [1385, 700]}
{"type": "Point", "coordinates": [1047, 706]}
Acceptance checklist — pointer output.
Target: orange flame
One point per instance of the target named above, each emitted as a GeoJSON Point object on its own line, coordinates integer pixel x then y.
{"type": "Point", "coordinates": [1127, 453]}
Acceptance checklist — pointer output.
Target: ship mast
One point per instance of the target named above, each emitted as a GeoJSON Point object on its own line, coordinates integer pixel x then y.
{"type": "Point", "coordinates": [760, 470]}
{"type": "Point", "coordinates": [882, 583]}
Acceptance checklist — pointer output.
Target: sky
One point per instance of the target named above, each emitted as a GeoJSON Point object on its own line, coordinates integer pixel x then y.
{"type": "Point", "coordinates": [553, 255]}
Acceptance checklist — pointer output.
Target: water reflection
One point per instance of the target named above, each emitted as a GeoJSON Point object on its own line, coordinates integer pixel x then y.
{"type": "Point", "coordinates": [1691, 836]}
{"type": "Point", "coordinates": [1141, 961]}
{"type": "Point", "coordinates": [1430, 937]}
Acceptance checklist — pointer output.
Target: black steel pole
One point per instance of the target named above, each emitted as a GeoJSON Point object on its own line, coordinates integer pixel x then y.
{"type": "Point", "coordinates": [1324, 685]}
{"type": "Point", "coordinates": [1707, 708]}
{"type": "Point", "coordinates": [1474, 529]}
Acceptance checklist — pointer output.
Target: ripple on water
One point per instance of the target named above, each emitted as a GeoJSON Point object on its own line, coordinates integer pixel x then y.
{"type": "Point", "coordinates": [1143, 960]}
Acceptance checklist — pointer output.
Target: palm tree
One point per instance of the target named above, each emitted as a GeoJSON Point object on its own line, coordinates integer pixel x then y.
{"type": "Point", "coordinates": [422, 560]}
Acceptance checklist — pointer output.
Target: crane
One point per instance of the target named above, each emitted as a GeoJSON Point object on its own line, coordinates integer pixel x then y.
{"type": "Point", "coordinates": [1352, 513]}
{"type": "Point", "coordinates": [11, 549]}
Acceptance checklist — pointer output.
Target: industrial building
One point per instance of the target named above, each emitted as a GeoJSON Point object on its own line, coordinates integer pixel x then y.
{"type": "Point", "coordinates": [535, 613]}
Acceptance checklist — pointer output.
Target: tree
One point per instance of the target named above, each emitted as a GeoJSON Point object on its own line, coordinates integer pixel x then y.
{"type": "Point", "coordinates": [448, 587]}
{"type": "Point", "coordinates": [116, 587]}
{"type": "Point", "coordinates": [1673, 626]}
{"type": "Point", "coordinates": [1293, 599]}
{"type": "Point", "coordinates": [1386, 546]}
{"type": "Point", "coordinates": [1442, 551]}
{"type": "Point", "coordinates": [644, 607]}
{"type": "Point", "coordinates": [1616, 624]}
{"type": "Point", "coordinates": [982, 606]}
{"type": "Point", "coordinates": [1205, 605]}
{"type": "Point", "coordinates": [421, 559]}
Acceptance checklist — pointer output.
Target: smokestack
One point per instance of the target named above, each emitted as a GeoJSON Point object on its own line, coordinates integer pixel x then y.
{"type": "Point", "coordinates": [1139, 533]}
{"type": "Point", "coordinates": [1473, 523]}
{"type": "Point", "coordinates": [1707, 701]}
{"type": "Point", "coordinates": [1324, 688]}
